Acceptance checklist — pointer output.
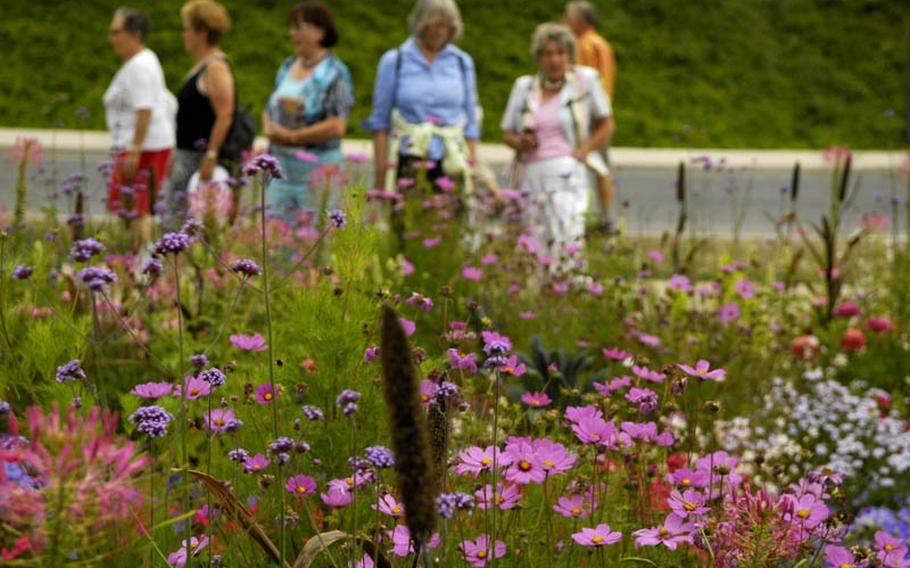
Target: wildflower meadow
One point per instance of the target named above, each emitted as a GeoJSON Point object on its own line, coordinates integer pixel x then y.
{"type": "Point", "coordinates": [413, 378]}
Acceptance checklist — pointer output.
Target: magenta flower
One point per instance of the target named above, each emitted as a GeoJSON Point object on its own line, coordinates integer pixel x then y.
{"type": "Point", "coordinates": [688, 478]}
{"type": "Point", "coordinates": [702, 371]}
{"type": "Point", "coordinates": [574, 506]}
{"type": "Point", "coordinates": [847, 309]}
{"type": "Point", "coordinates": [365, 562]}
{"type": "Point", "coordinates": [595, 430]}
{"type": "Point", "coordinates": [220, 420]}
{"type": "Point", "coordinates": [467, 363]}
{"type": "Point", "coordinates": [256, 463]}
{"type": "Point", "coordinates": [745, 288]}
{"type": "Point", "coordinates": [728, 313]}
{"type": "Point", "coordinates": [646, 339]}
{"type": "Point", "coordinates": [301, 485]}
{"type": "Point", "coordinates": [489, 258]}
{"type": "Point", "coordinates": [338, 496]}
{"type": "Point", "coordinates": [407, 267]}
{"type": "Point", "coordinates": [507, 496]}
{"type": "Point", "coordinates": [680, 283]}
{"type": "Point", "coordinates": [576, 413]}
{"type": "Point", "coordinates": [554, 458]}
{"type": "Point", "coordinates": [478, 552]}
{"type": "Point", "coordinates": [178, 557]}
{"type": "Point", "coordinates": [403, 544]}
{"type": "Point", "coordinates": [432, 242]}
{"type": "Point", "coordinates": [370, 354]}
{"type": "Point", "coordinates": [648, 375]}
{"type": "Point", "coordinates": [195, 388]}
{"type": "Point", "coordinates": [808, 511]}
{"type": "Point", "coordinates": [672, 533]}
{"type": "Point", "coordinates": [475, 460]}
{"type": "Point", "coordinates": [265, 394]}
{"type": "Point", "coordinates": [152, 390]}
{"type": "Point", "coordinates": [249, 342]}
{"type": "Point", "coordinates": [690, 502]}
{"type": "Point", "coordinates": [389, 506]}
{"type": "Point", "coordinates": [513, 367]}
{"type": "Point", "coordinates": [526, 466]}
{"type": "Point", "coordinates": [536, 399]}
{"type": "Point", "coordinates": [656, 256]}
{"type": "Point", "coordinates": [646, 399]}
{"type": "Point", "coordinates": [445, 184]}
{"type": "Point", "coordinates": [616, 354]}
{"type": "Point", "coordinates": [646, 432]}
{"type": "Point", "coordinates": [878, 324]}
{"type": "Point", "coordinates": [890, 550]}
{"type": "Point", "coordinates": [472, 273]}
{"type": "Point", "coordinates": [427, 389]}
{"type": "Point", "coordinates": [408, 326]}
{"type": "Point", "coordinates": [599, 536]}
{"type": "Point", "coordinates": [839, 557]}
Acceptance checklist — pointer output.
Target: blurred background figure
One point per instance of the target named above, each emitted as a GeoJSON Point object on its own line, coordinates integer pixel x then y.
{"type": "Point", "coordinates": [557, 121]}
{"type": "Point", "coordinates": [206, 102]}
{"type": "Point", "coordinates": [307, 112]}
{"type": "Point", "coordinates": [424, 100]}
{"type": "Point", "coordinates": [139, 113]}
{"type": "Point", "coordinates": [594, 51]}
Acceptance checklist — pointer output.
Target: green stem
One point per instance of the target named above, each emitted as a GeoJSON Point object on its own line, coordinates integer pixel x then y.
{"type": "Point", "coordinates": [184, 452]}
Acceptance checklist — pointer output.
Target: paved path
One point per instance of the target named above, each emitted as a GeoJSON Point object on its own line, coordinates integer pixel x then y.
{"type": "Point", "coordinates": [645, 180]}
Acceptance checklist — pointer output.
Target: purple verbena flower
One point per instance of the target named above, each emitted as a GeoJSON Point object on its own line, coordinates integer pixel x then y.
{"type": "Point", "coordinates": [70, 372]}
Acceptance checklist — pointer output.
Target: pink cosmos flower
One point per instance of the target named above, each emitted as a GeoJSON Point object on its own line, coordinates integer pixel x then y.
{"type": "Point", "coordinates": [407, 268]}
{"type": "Point", "coordinates": [337, 496]}
{"type": "Point", "coordinates": [408, 326]}
{"type": "Point", "coordinates": [574, 506]}
{"type": "Point", "coordinates": [513, 367]}
{"type": "Point", "coordinates": [467, 363]}
{"type": "Point", "coordinates": [178, 557]}
{"type": "Point", "coordinates": [427, 388]}
{"type": "Point", "coordinates": [689, 478]}
{"type": "Point", "coordinates": [745, 288]}
{"type": "Point", "coordinates": [648, 375]}
{"type": "Point", "coordinates": [808, 511]}
{"type": "Point", "coordinates": [680, 283]}
{"type": "Point", "coordinates": [301, 485]}
{"type": "Point", "coordinates": [472, 273]}
{"type": "Point", "coordinates": [475, 460]}
{"type": "Point", "coordinates": [265, 395]}
{"type": "Point", "coordinates": [646, 339]}
{"type": "Point", "coordinates": [595, 430]}
{"type": "Point", "coordinates": [536, 399]}
{"type": "Point", "coordinates": [256, 463]}
{"type": "Point", "coordinates": [553, 456]}
{"type": "Point", "coordinates": [526, 466]}
{"type": "Point", "coordinates": [478, 552]}
{"type": "Point", "coordinates": [403, 545]}
{"type": "Point", "coordinates": [195, 388]}
{"type": "Point", "coordinates": [432, 242]}
{"type": "Point", "coordinates": [599, 536]}
{"type": "Point", "coordinates": [365, 562]}
{"type": "Point", "coordinates": [616, 354]}
{"type": "Point", "coordinates": [672, 533]}
{"type": "Point", "coordinates": [656, 256]}
{"type": "Point", "coordinates": [890, 550]}
{"type": "Point", "coordinates": [646, 432]}
{"type": "Point", "coordinates": [575, 414]}
{"type": "Point", "coordinates": [220, 420]}
{"type": "Point", "coordinates": [249, 342]}
{"type": "Point", "coordinates": [702, 371]}
{"type": "Point", "coordinates": [690, 502]}
{"type": "Point", "coordinates": [507, 496]}
{"type": "Point", "coordinates": [615, 384]}
{"type": "Point", "coordinates": [389, 506]}
{"type": "Point", "coordinates": [152, 390]}
{"type": "Point", "coordinates": [728, 312]}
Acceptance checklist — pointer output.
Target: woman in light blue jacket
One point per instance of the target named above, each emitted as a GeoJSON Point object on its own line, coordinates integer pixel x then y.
{"type": "Point", "coordinates": [556, 121]}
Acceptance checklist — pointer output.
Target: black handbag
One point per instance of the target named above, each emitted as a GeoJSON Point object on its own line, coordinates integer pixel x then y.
{"type": "Point", "coordinates": [241, 135]}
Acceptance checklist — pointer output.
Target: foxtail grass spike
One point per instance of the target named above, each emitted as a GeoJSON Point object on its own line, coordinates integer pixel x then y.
{"type": "Point", "coordinates": [681, 182]}
{"type": "Point", "coordinates": [408, 425]}
{"type": "Point", "coordinates": [439, 419]}
{"type": "Point", "coordinates": [794, 183]}
{"type": "Point", "coordinates": [844, 180]}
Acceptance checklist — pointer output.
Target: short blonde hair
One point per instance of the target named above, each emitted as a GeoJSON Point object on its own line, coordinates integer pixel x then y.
{"type": "Point", "coordinates": [207, 15]}
{"type": "Point", "coordinates": [557, 33]}
{"type": "Point", "coordinates": [425, 9]}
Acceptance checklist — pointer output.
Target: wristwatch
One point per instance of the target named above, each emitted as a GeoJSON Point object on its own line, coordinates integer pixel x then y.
{"type": "Point", "coordinates": [211, 154]}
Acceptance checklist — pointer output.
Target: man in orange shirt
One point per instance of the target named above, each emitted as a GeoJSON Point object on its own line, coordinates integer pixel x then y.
{"type": "Point", "coordinates": [594, 51]}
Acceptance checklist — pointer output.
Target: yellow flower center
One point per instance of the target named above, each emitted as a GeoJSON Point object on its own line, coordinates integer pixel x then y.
{"type": "Point", "coordinates": [424, 398]}
{"type": "Point", "coordinates": [576, 511]}
{"type": "Point", "coordinates": [301, 489]}
{"type": "Point", "coordinates": [396, 510]}
{"type": "Point", "coordinates": [889, 547]}
{"type": "Point", "coordinates": [194, 391]}
{"type": "Point", "coordinates": [595, 436]}
{"type": "Point", "coordinates": [803, 513]}
{"type": "Point", "coordinates": [268, 396]}
{"type": "Point", "coordinates": [219, 422]}
{"type": "Point", "coordinates": [524, 465]}
{"type": "Point", "coordinates": [481, 554]}
{"type": "Point", "coordinates": [688, 506]}
{"type": "Point", "coordinates": [486, 461]}
{"type": "Point", "coordinates": [549, 463]}
{"type": "Point", "coordinates": [349, 481]}
{"type": "Point", "coordinates": [702, 372]}
{"type": "Point", "coordinates": [845, 565]}
{"type": "Point", "coordinates": [597, 539]}
{"type": "Point", "coordinates": [662, 532]}
{"type": "Point", "coordinates": [687, 481]}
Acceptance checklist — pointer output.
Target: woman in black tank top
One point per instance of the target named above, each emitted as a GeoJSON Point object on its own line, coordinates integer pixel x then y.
{"type": "Point", "coordinates": [206, 102]}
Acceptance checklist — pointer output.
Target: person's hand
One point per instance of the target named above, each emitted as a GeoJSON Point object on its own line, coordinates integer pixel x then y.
{"type": "Point", "coordinates": [207, 168]}
{"type": "Point", "coordinates": [580, 154]}
{"type": "Point", "coordinates": [527, 142]}
{"type": "Point", "coordinates": [130, 164]}
{"type": "Point", "coordinates": [277, 134]}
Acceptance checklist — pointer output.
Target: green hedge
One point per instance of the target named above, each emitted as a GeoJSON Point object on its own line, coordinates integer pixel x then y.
{"type": "Point", "coordinates": [736, 73]}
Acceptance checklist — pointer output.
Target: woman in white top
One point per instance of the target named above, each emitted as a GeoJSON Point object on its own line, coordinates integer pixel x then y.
{"type": "Point", "coordinates": [557, 120]}
{"type": "Point", "coordinates": [140, 118]}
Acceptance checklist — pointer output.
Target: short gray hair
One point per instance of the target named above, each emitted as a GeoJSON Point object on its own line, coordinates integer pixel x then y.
{"type": "Point", "coordinates": [425, 9]}
{"type": "Point", "coordinates": [557, 33]}
{"type": "Point", "coordinates": [135, 23]}
{"type": "Point", "coordinates": [585, 9]}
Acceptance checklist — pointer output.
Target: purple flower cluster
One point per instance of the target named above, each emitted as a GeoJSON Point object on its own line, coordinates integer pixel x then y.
{"type": "Point", "coordinates": [246, 267]}
{"type": "Point", "coordinates": [445, 390]}
{"type": "Point", "coordinates": [85, 249]}
{"type": "Point", "coordinates": [97, 277]}
{"type": "Point", "coordinates": [153, 268]}
{"type": "Point", "coordinates": [281, 445]}
{"type": "Point", "coordinates": [213, 376]}
{"type": "Point", "coordinates": [70, 372]}
{"type": "Point", "coordinates": [151, 420]}
{"type": "Point", "coordinates": [238, 455]}
{"type": "Point", "coordinates": [448, 503]}
{"type": "Point", "coordinates": [22, 272]}
{"type": "Point", "coordinates": [199, 360]}
{"type": "Point", "coordinates": [192, 227]}
{"type": "Point", "coordinates": [313, 413]}
{"type": "Point", "coordinates": [171, 243]}
{"type": "Point", "coordinates": [265, 164]}
{"type": "Point", "coordinates": [380, 456]}
{"type": "Point", "coordinates": [338, 218]}
{"type": "Point", "coordinates": [347, 402]}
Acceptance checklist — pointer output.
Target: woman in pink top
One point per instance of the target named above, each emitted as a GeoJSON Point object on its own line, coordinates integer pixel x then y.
{"type": "Point", "coordinates": [556, 121]}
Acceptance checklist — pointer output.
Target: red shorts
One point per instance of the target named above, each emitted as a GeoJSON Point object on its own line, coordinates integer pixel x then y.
{"type": "Point", "coordinates": [139, 194]}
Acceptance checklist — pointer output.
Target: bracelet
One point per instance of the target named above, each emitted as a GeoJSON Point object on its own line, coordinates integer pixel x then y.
{"type": "Point", "coordinates": [211, 154]}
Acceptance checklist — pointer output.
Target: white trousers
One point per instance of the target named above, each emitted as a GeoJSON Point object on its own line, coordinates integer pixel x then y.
{"type": "Point", "coordinates": [558, 193]}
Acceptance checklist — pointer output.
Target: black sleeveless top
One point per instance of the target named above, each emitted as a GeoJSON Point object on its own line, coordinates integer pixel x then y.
{"type": "Point", "coordinates": [195, 115]}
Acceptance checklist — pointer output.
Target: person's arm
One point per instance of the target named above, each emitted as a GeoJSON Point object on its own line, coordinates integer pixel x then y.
{"type": "Point", "coordinates": [607, 69]}
{"type": "Point", "coordinates": [131, 163]}
{"type": "Point", "coordinates": [220, 89]}
{"type": "Point", "coordinates": [512, 129]}
{"type": "Point", "coordinates": [603, 132]}
{"type": "Point", "coordinates": [380, 156]}
{"type": "Point", "coordinates": [379, 120]}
